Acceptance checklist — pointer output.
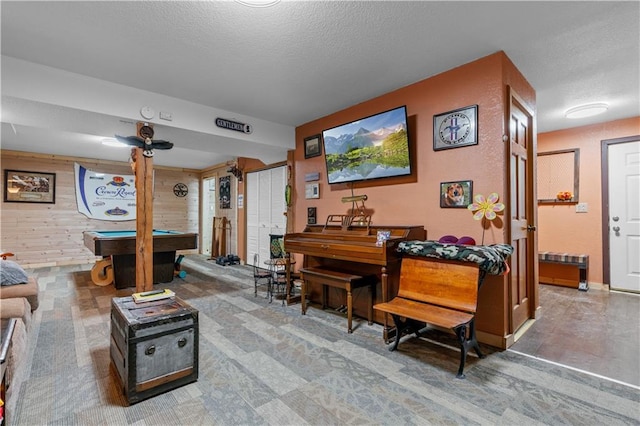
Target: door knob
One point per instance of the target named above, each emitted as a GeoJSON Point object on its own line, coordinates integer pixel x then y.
{"type": "Point", "coordinates": [529, 228]}
{"type": "Point", "coordinates": [616, 229]}
{"type": "Point", "coordinates": [615, 218]}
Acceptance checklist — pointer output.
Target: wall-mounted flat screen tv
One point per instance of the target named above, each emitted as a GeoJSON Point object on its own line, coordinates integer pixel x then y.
{"type": "Point", "coordinates": [373, 147]}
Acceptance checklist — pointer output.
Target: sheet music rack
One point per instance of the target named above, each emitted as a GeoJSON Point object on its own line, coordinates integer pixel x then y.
{"type": "Point", "coordinates": [348, 222]}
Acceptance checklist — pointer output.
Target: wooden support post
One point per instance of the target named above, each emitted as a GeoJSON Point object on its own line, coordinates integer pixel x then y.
{"type": "Point", "coordinates": [143, 170]}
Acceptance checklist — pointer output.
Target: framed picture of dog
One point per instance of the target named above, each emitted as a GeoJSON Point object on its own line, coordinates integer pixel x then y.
{"type": "Point", "coordinates": [455, 128]}
{"type": "Point", "coordinates": [458, 194]}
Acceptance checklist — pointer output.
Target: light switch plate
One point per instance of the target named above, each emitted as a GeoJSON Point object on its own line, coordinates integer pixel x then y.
{"type": "Point", "coordinates": [582, 208]}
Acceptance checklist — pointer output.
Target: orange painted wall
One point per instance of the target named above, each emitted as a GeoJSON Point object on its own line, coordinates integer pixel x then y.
{"type": "Point", "coordinates": [560, 227]}
{"type": "Point", "coordinates": [416, 201]}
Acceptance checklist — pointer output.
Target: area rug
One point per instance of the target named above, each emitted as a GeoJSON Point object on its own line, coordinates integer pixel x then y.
{"type": "Point", "coordinates": [264, 363]}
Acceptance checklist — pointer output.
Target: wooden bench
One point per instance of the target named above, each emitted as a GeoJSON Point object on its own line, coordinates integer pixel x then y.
{"type": "Point", "coordinates": [439, 292]}
{"type": "Point", "coordinates": [550, 274]}
{"type": "Point", "coordinates": [343, 280]}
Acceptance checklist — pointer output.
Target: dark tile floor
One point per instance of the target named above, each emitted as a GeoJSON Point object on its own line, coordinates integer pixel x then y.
{"type": "Point", "coordinates": [596, 331]}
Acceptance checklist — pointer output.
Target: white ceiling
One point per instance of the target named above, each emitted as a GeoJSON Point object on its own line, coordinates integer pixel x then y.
{"type": "Point", "coordinates": [285, 65]}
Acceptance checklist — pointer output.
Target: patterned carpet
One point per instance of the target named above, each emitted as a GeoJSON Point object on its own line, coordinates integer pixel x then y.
{"type": "Point", "coordinates": [263, 363]}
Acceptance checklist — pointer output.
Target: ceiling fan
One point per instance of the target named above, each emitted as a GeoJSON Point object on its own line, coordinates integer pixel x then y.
{"type": "Point", "coordinates": [145, 141]}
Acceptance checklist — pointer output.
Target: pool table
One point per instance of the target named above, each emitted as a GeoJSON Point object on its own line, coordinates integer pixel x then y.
{"type": "Point", "coordinates": [121, 247]}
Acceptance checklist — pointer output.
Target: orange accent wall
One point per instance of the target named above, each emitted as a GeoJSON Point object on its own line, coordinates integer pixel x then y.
{"type": "Point", "coordinates": [560, 227]}
{"type": "Point", "coordinates": [415, 201]}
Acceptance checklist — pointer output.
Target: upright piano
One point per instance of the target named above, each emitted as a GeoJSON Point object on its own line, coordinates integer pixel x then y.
{"type": "Point", "coordinates": [356, 250]}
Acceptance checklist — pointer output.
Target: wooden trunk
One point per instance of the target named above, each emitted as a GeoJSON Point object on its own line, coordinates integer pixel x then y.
{"type": "Point", "coordinates": [154, 346]}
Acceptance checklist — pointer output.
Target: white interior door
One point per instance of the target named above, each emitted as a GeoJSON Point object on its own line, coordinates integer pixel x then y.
{"type": "Point", "coordinates": [252, 209]}
{"type": "Point", "coordinates": [208, 213]}
{"type": "Point", "coordinates": [265, 206]}
{"type": "Point", "coordinates": [624, 216]}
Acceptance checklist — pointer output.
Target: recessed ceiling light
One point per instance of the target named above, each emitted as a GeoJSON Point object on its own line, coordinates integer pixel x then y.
{"type": "Point", "coordinates": [258, 3]}
{"type": "Point", "coordinates": [113, 142]}
{"type": "Point", "coordinates": [589, 110]}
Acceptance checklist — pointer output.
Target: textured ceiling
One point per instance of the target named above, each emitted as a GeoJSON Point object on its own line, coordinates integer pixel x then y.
{"type": "Point", "coordinates": [297, 61]}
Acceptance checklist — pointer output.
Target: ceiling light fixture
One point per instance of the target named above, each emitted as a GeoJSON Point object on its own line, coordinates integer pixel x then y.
{"type": "Point", "coordinates": [258, 3]}
{"type": "Point", "coordinates": [113, 142]}
{"type": "Point", "coordinates": [588, 110]}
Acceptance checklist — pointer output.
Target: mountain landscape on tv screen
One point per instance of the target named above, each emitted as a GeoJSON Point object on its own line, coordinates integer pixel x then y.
{"type": "Point", "coordinates": [367, 154]}
{"type": "Point", "coordinates": [360, 139]}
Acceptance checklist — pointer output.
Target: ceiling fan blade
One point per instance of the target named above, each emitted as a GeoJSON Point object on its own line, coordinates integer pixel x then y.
{"type": "Point", "coordinates": [161, 145]}
{"type": "Point", "coordinates": [131, 140]}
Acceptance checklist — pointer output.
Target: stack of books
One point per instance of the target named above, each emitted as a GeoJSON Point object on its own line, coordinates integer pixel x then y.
{"type": "Point", "coordinates": [150, 296]}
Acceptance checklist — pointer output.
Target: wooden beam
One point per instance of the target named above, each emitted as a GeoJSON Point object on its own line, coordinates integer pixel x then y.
{"type": "Point", "coordinates": [143, 170]}
{"type": "Point", "coordinates": [6, 153]}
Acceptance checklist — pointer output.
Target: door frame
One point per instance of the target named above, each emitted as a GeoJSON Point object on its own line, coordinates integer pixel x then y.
{"type": "Point", "coordinates": [207, 224]}
{"type": "Point", "coordinates": [604, 167]}
{"type": "Point", "coordinates": [532, 210]}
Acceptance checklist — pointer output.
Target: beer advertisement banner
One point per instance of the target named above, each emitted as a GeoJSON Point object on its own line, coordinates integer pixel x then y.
{"type": "Point", "coordinates": [105, 196]}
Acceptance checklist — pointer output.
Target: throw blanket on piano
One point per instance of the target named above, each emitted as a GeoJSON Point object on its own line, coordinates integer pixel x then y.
{"type": "Point", "coordinates": [491, 259]}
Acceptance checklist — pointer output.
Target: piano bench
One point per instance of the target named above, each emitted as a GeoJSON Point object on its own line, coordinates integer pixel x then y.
{"type": "Point", "coordinates": [338, 279]}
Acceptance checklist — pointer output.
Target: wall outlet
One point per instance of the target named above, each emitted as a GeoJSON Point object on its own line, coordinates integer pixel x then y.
{"type": "Point", "coordinates": [582, 208]}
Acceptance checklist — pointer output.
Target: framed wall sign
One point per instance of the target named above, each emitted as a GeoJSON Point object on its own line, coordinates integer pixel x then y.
{"type": "Point", "coordinates": [225, 192]}
{"type": "Point", "coordinates": [311, 215]}
{"type": "Point", "coordinates": [312, 146]}
{"type": "Point", "coordinates": [312, 177]}
{"type": "Point", "coordinates": [234, 125]}
{"type": "Point", "coordinates": [458, 194]}
{"type": "Point", "coordinates": [29, 187]}
{"type": "Point", "coordinates": [312, 190]}
{"type": "Point", "coordinates": [455, 128]}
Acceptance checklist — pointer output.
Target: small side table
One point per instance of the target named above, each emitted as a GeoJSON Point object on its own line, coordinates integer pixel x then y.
{"type": "Point", "coordinates": [281, 271]}
{"type": "Point", "coordinates": [6, 331]}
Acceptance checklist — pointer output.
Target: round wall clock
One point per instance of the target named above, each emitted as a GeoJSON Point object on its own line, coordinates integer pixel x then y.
{"type": "Point", "coordinates": [180, 190]}
{"type": "Point", "coordinates": [455, 128]}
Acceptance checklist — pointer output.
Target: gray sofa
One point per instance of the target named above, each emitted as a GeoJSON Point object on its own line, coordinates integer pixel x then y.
{"type": "Point", "coordinates": [18, 299]}
{"type": "Point", "coordinates": [18, 292]}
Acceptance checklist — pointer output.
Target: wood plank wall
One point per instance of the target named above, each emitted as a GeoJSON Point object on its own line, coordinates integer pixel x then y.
{"type": "Point", "coordinates": [51, 234]}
